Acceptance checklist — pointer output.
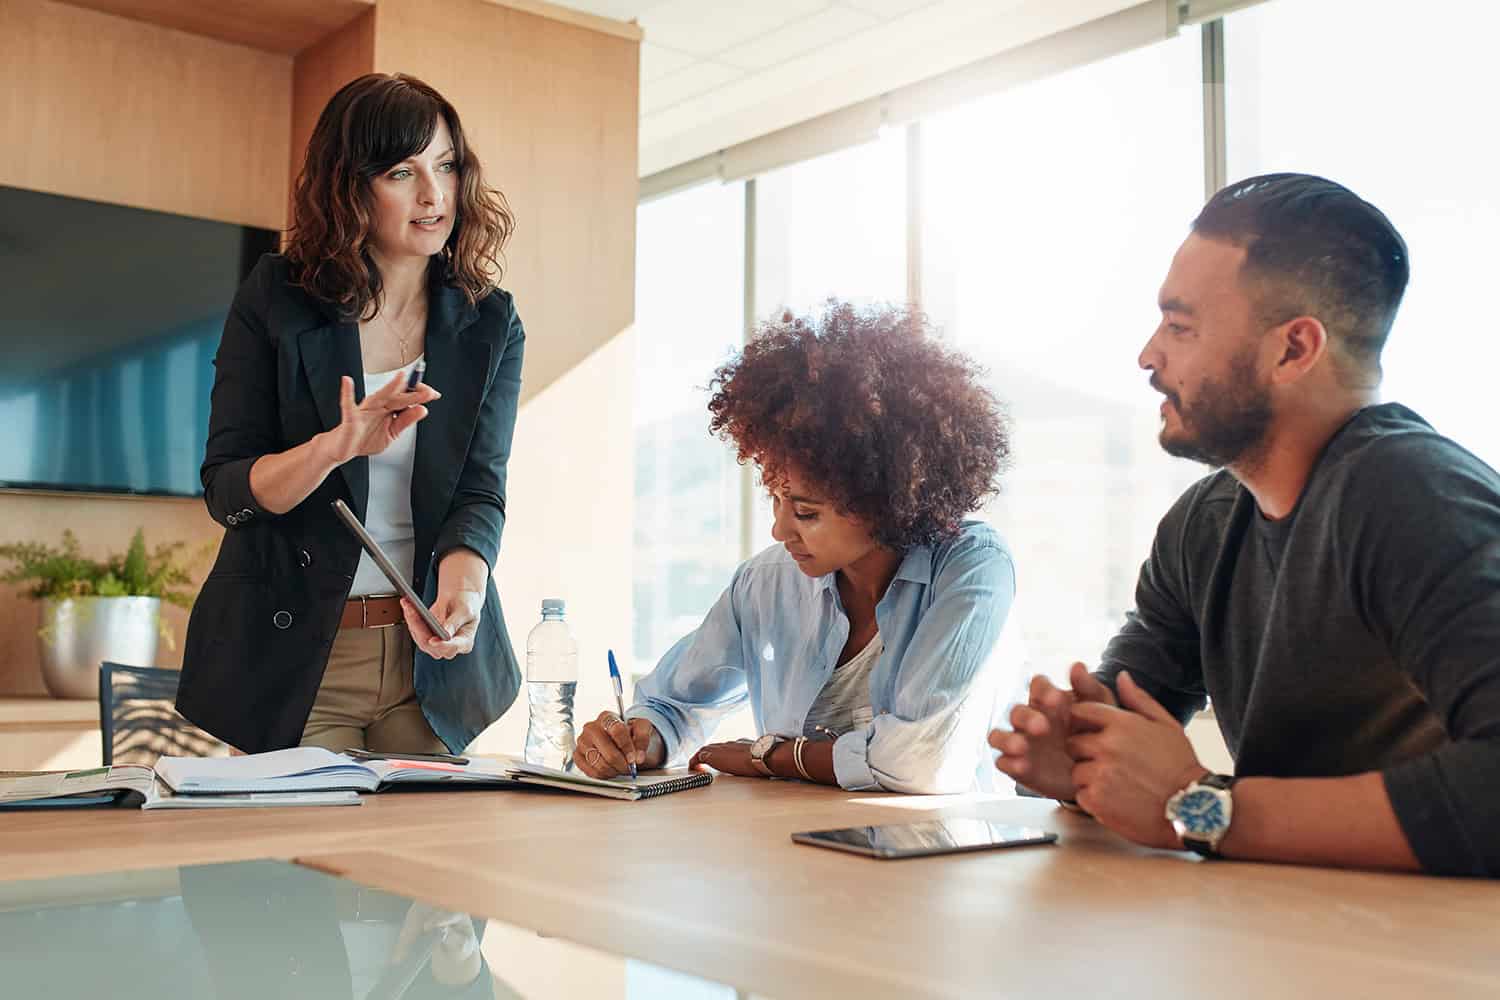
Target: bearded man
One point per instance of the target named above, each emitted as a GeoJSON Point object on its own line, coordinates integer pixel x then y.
{"type": "Point", "coordinates": [1334, 588]}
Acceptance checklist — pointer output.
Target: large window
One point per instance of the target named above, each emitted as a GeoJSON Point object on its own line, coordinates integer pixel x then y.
{"type": "Point", "coordinates": [1047, 216]}
{"type": "Point", "coordinates": [1398, 116]}
{"type": "Point", "coordinates": [833, 226]}
{"type": "Point", "coordinates": [1052, 212]}
{"type": "Point", "coordinates": [689, 318]}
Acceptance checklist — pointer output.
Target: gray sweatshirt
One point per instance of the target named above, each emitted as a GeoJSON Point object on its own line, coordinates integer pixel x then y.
{"type": "Point", "coordinates": [1360, 633]}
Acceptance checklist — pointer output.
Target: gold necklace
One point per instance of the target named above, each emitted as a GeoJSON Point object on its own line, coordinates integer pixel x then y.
{"type": "Point", "coordinates": [401, 340]}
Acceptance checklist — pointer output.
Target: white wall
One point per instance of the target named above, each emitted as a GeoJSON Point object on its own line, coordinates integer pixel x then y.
{"type": "Point", "coordinates": [568, 533]}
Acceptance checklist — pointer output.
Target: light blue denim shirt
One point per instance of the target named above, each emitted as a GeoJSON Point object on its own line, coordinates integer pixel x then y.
{"type": "Point", "coordinates": [775, 635]}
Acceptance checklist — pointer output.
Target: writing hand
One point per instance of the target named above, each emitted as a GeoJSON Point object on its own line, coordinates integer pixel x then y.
{"type": "Point", "coordinates": [608, 745]}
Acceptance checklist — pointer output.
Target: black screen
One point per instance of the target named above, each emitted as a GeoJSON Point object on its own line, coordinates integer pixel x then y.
{"type": "Point", "coordinates": [109, 320]}
{"type": "Point", "coordinates": [941, 836]}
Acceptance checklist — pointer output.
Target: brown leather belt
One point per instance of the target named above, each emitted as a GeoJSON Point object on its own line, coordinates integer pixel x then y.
{"type": "Point", "coordinates": [375, 611]}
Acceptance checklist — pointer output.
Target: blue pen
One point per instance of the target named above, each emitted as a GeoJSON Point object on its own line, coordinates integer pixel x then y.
{"type": "Point", "coordinates": [614, 677]}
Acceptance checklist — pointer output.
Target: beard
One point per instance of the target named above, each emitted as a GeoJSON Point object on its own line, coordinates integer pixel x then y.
{"type": "Point", "coordinates": [1227, 424]}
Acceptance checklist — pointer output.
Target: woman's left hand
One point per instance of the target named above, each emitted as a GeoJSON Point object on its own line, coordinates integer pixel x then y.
{"type": "Point", "coordinates": [459, 611]}
{"type": "Point", "coordinates": [726, 758]}
{"type": "Point", "coordinates": [460, 602]}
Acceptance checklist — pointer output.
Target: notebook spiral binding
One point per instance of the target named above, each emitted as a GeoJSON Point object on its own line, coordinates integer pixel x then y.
{"type": "Point", "coordinates": [675, 785]}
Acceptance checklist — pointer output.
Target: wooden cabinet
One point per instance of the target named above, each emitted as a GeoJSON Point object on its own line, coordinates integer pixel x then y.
{"type": "Point", "coordinates": [38, 734]}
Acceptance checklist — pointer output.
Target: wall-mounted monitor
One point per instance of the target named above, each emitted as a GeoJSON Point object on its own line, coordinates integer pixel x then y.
{"type": "Point", "coordinates": [109, 320]}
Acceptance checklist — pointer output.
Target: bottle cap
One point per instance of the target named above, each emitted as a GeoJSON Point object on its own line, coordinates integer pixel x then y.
{"type": "Point", "coordinates": [554, 606]}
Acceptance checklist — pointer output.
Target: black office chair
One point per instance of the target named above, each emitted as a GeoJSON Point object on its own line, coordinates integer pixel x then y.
{"type": "Point", "coordinates": [137, 721]}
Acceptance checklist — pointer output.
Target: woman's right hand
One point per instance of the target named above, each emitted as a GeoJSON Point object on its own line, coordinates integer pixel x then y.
{"type": "Point", "coordinates": [369, 427]}
{"type": "Point", "coordinates": [608, 745]}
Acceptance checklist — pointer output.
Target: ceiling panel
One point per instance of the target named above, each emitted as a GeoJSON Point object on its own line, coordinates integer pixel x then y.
{"type": "Point", "coordinates": [890, 8]}
{"type": "Point", "coordinates": [620, 10]}
{"type": "Point", "coordinates": [800, 37]}
{"type": "Point", "coordinates": [657, 61]}
{"type": "Point", "coordinates": [697, 79]}
{"type": "Point", "coordinates": [706, 27]}
{"type": "Point", "coordinates": [718, 72]}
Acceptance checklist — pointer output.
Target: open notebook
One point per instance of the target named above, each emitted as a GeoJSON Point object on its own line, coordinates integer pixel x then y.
{"type": "Point", "coordinates": [647, 786]}
{"type": "Point", "coordinates": [316, 769]}
{"type": "Point", "coordinates": [301, 776]}
{"type": "Point", "coordinates": [133, 785]}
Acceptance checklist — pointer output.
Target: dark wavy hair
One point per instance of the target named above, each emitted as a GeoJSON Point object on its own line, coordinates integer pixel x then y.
{"type": "Point", "coordinates": [1313, 247]}
{"type": "Point", "coordinates": [895, 428]}
{"type": "Point", "coordinates": [370, 125]}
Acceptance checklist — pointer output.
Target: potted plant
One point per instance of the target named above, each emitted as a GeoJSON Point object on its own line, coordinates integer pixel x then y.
{"type": "Point", "coordinates": [95, 610]}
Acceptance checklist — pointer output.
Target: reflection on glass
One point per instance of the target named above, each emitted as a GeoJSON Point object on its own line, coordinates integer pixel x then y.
{"type": "Point", "coordinates": [1418, 77]}
{"type": "Point", "coordinates": [264, 929]}
{"type": "Point", "coordinates": [1053, 211]}
{"type": "Point", "coordinates": [689, 319]}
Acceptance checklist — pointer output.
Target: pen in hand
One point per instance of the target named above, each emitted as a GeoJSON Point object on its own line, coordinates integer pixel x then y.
{"type": "Point", "coordinates": [414, 378]}
{"type": "Point", "coordinates": [614, 678]}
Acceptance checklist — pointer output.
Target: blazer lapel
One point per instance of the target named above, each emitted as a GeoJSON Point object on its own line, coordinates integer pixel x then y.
{"type": "Point", "coordinates": [328, 353]}
{"type": "Point", "coordinates": [459, 368]}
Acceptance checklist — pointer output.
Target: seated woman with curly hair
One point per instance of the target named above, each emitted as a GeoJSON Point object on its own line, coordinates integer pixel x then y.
{"type": "Point", "coordinates": [866, 640]}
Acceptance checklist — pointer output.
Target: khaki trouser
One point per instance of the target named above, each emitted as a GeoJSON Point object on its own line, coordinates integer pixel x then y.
{"type": "Point", "coordinates": [366, 699]}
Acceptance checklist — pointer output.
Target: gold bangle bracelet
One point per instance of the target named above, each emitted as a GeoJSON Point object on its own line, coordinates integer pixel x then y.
{"type": "Point", "coordinates": [797, 746]}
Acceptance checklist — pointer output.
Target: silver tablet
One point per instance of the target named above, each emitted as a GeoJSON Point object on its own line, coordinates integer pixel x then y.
{"type": "Point", "coordinates": [912, 840]}
{"type": "Point", "coordinates": [397, 578]}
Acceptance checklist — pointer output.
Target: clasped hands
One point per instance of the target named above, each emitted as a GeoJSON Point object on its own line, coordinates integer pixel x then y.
{"type": "Point", "coordinates": [1120, 760]}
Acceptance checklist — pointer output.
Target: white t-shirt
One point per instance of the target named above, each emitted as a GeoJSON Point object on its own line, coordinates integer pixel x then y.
{"type": "Point", "coordinates": [388, 516]}
{"type": "Point", "coordinates": [844, 703]}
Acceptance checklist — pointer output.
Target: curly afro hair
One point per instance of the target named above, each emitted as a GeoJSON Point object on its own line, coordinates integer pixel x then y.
{"type": "Point", "coordinates": [871, 409]}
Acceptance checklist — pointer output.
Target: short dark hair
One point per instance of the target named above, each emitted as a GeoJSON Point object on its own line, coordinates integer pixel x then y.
{"type": "Point", "coordinates": [894, 427]}
{"type": "Point", "coordinates": [1315, 248]}
{"type": "Point", "coordinates": [371, 124]}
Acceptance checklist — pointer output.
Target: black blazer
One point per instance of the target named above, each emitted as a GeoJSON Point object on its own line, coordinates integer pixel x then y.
{"type": "Point", "coordinates": [262, 627]}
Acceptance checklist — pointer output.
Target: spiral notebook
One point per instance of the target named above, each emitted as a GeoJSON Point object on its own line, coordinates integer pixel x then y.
{"type": "Point", "coordinates": [647, 786]}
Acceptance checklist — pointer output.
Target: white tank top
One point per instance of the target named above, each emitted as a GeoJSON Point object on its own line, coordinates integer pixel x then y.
{"type": "Point", "coordinates": [388, 516]}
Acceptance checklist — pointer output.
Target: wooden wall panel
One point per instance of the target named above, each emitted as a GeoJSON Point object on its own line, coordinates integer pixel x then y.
{"type": "Point", "coordinates": [286, 26]}
{"type": "Point", "coordinates": [551, 108]}
{"type": "Point", "coordinates": [318, 74]}
{"type": "Point", "coordinates": [102, 107]}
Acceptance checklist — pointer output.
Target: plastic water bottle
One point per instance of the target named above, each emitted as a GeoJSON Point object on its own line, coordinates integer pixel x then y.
{"type": "Point", "coordinates": [551, 679]}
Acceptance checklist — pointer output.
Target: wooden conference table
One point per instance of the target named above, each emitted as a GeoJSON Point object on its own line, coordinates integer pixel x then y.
{"type": "Point", "coordinates": [707, 882]}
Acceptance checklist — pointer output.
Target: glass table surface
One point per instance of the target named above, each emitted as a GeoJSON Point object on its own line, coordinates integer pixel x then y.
{"type": "Point", "coordinates": [268, 929]}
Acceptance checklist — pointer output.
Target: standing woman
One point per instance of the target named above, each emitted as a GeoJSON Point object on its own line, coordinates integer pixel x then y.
{"type": "Point", "coordinates": [392, 260]}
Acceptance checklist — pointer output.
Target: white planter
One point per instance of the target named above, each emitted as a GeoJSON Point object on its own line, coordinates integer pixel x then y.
{"type": "Point", "coordinates": [79, 633]}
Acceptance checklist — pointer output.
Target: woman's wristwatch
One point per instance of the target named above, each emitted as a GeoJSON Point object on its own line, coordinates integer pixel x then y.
{"type": "Point", "coordinates": [761, 749]}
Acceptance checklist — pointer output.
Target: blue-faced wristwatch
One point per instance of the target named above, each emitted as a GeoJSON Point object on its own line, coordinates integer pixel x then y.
{"type": "Point", "coordinates": [1201, 813]}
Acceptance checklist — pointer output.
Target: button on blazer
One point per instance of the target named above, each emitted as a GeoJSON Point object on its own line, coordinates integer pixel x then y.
{"type": "Point", "coordinates": [262, 627]}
